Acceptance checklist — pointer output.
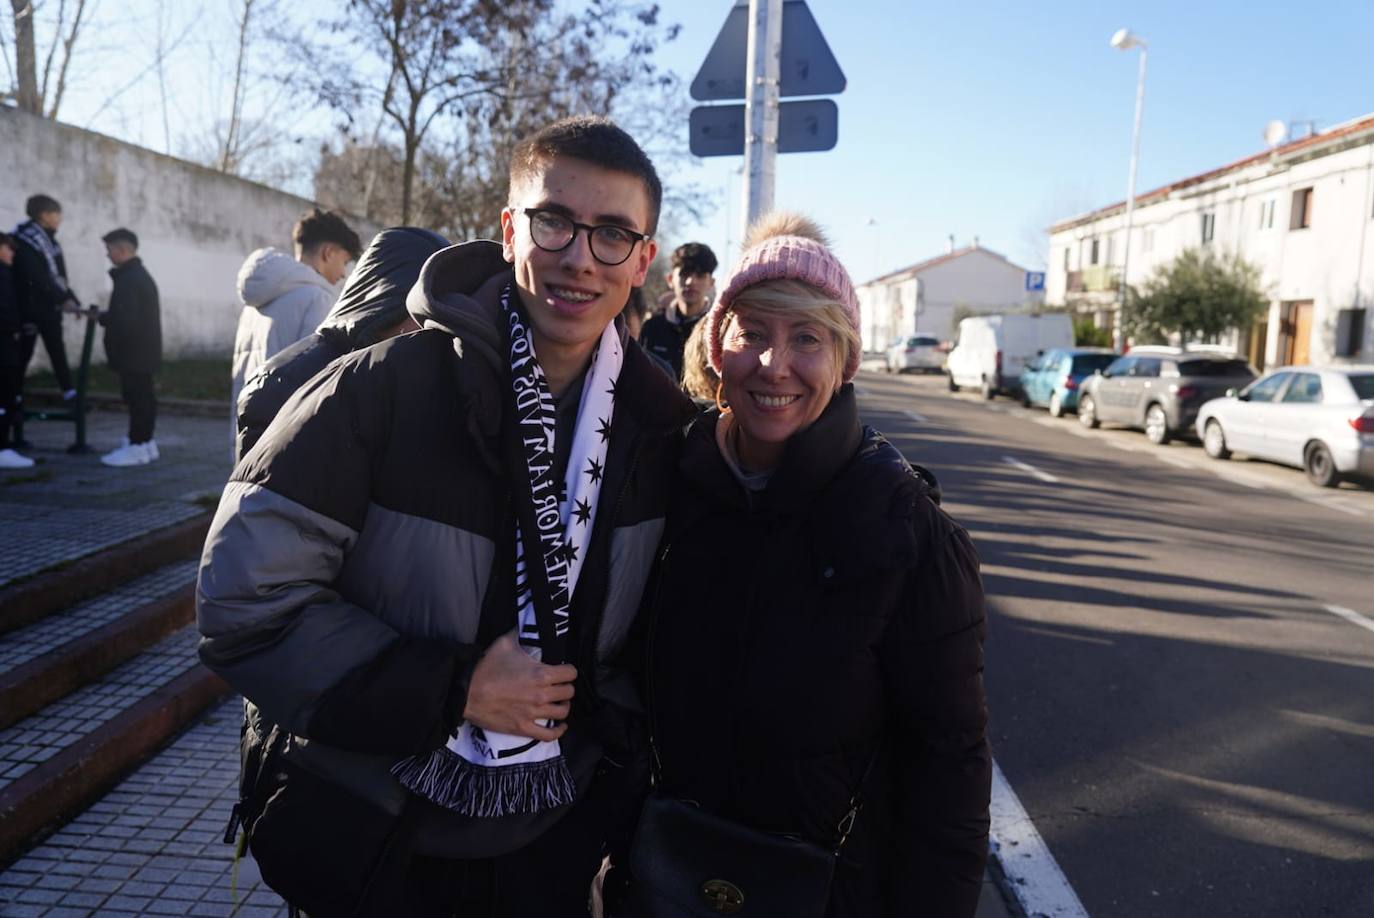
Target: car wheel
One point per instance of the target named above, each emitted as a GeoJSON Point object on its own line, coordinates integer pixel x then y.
{"type": "Point", "coordinates": [1214, 441]}
{"type": "Point", "coordinates": [953, 386]}
{"type": "Point", "coordinates": [1320, 467]}
{"type": "Point", "coordinates": [1087, 412]}
{"type": "Point", "coordinates": [989, 392]}
{"type": "Point", "coordinates": [1025, 399]}
{"type": "Point", "coordinates": [1157, 425]}
{"type": "Point", "coordinates": [1056, 405]}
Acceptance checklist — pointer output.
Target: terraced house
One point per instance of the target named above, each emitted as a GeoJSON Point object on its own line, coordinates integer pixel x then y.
{"type": "Point", "coordinates": [1301, 210]}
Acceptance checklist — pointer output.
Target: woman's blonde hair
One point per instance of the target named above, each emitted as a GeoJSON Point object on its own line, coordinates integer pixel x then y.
{"type": "Point", "coordinates": [698, 378]}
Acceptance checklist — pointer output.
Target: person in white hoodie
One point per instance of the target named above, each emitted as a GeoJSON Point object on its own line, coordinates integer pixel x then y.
{"type": "Point", "coordinates": [285, 298]}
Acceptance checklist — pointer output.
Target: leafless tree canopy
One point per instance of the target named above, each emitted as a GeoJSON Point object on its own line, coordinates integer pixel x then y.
{"type": "Point", "coordinates": [45, 97]}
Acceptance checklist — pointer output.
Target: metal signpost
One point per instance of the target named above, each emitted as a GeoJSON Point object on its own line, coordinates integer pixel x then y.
{"type": "Point", "coordinates": [765, 50]}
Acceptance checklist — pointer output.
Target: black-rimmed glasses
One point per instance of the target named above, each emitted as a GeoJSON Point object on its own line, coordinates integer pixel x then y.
{"type": "Point", "coordinates": [553, 232]}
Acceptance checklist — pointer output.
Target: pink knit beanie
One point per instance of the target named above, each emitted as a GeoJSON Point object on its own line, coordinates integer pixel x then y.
{"type": "Point", "coordinates": [784, 246]}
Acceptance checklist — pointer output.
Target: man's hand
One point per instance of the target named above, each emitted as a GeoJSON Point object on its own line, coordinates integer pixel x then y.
{"type": "Point", "coordinates": [510, 692]}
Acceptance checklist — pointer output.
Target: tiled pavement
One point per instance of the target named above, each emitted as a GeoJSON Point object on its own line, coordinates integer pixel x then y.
{"type": "Point", "coordinates": [153, 845]}
{"type": "Point", "coordinates": [67, 507]}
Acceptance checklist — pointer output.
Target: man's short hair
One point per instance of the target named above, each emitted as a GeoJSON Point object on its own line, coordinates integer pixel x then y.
{"type": "Point", "coordinates": [320, 226]}
{"type": "Point", "coordinates": [39, 204]}
{"type": "Point", "coordinates": [694, 258]}
{"type": "Point", "coordinates": [592, 139]}
{"type": "Point", "coordinates": [123, 235]}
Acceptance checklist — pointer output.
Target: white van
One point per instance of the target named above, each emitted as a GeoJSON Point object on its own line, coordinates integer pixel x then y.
{"type": "Point", "coordinates": [993, 350]}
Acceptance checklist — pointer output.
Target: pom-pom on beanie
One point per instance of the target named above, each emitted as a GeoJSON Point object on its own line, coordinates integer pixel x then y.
{"type": "Point", "coordinates": [785, 246]}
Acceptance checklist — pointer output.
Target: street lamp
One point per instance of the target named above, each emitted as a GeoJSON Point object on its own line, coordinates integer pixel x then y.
{"type": "Point", "coordinates": [1125, 40]}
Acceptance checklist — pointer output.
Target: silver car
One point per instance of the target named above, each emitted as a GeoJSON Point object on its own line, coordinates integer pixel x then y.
{"type": "Point", "coordinates": [1319, 419]}
{"type": "Point", "coordinates": [917, 352]}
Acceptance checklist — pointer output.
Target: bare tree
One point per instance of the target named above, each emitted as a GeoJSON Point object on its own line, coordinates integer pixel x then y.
{"type": "Point", "coordinates": [45, 98]}
{"type": "Point", "coordinates": [229, 151]}
{"type": "Point", "coordinates": [25, 58]}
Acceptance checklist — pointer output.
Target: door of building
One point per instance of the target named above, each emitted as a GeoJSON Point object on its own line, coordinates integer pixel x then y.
{"type": "Point", "coordinates": [1295, 344]}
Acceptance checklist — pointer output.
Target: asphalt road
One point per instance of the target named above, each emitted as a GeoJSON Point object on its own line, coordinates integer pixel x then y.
{"type": "Point", "coordinates": [1188, 724]}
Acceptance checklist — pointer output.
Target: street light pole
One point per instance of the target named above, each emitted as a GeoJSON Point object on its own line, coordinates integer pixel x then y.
{"type": "Point", "coordinates": [761, 109]}
{"type": "Point", "coordinates": [1124, 40]}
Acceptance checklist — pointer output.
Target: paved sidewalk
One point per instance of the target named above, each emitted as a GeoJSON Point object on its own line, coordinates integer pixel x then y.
{"type": "Point", "coordinates": [67, 507]}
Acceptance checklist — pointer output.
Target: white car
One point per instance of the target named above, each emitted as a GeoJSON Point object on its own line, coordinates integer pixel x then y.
{"type": "Point", "coordinates": [918, 352]}
{"type": "Point", "coordinates": [1319, 419]}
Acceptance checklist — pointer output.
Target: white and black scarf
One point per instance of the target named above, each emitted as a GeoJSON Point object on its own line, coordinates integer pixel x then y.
{"type": "Point", "coordinates": [47, 246]}
{"type": "Point", "coordinates": [485, 774]}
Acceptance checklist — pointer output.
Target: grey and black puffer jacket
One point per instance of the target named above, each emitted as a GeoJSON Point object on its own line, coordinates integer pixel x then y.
{"type": "Point", "coordinates": [362, 555]}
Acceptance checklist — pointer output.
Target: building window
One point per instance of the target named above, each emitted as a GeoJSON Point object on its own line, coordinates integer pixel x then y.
{"type": "Point", "coordinates": [1350, 326]}
{"type": "Point", "coordinates": [1209, 227]}
{"type": "Point", "coordinates": [1267, 214]}
{"type": "Point", "coordinates": [1092, 259]}
{"type": "Point", "coordinates": [1301, 216]}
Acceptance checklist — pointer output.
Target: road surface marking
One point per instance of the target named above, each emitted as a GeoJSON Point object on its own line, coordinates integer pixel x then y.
{"type": "Point", "coordinates": [1126, 445]}
{"type": "Point", "coordinates": [1030, 470]}
{"type": "Point", "coordinates": [1349, 615]}
{"type": "Point", "coordinates": [1177, 462]}
{"type": "Point", "coordinates": [916, 416]}
{"type": "Point", "coordinates": [1032, 874]}
{"type": "Point", "coordinates": [1048, 422]}
{"type": "Point", "coordinates": [1330, 504]}
{"type": "Point", "coordinates": [1235, 478]}
{"type": "Point", "coordinates": [991, 407]}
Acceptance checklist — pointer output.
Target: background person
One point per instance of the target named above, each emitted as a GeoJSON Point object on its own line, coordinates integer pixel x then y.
{"type": "Point", "coordinates": [11, 358]}
{"type": "Point", "coordinates": [371, 308]}
{"type": "Point", "coordinates": [40, 276]}
{"type": "Point", "coordinates": [818, 621]}
{"type": "Point", "coordinates": [133, 345]}
{"type": "Point", "coordinates": [692, 284]}
{"type": "Point", "coordinates": [285, 298]}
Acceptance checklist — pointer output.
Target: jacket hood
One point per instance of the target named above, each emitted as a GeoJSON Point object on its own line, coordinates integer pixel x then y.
{"type": "Point", "coordinates": [374, 296]}
{"type": "Point", "coordinates": [458, 291]}
{"type": "Point", "coordinates": [270, 272]}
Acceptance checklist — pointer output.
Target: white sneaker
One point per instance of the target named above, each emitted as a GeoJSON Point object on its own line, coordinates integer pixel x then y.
{"type": "Point", "coordinates": [150, 444]}
{"type": "Point", "coordinates": [133, 454]}
{"type": "Point", "coordinates": [9, 459]}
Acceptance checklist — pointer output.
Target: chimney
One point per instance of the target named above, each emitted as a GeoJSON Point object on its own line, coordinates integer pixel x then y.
{"type": "Point", "coordinates": [949, 250]}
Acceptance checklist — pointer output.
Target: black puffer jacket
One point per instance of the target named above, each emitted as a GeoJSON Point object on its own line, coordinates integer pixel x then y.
{"type": "Point", "coordinates": [362, 555]}
{"type": "Point", "coordinates": [798, 630]}
{"type": "Point", "coordinates": [373, 300]}
{"type": "Point", "coordinates": [133, 324]}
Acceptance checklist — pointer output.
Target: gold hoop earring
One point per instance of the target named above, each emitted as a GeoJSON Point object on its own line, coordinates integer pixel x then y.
{"type": "Point", "coordinates": [721, 403]}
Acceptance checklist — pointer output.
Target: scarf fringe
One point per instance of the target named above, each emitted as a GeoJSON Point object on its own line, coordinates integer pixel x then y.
{"type": "Point", "coordinates": [445, 778]}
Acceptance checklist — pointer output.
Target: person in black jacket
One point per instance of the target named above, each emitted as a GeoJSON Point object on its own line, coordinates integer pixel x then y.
{"type": "Point", "coordinates": [11, 358]}
{"type": "Point", "coordinates": [133, 345]}
{"type": "Point", "coordinates": [40, 271]}
{"type": "Point", "coordinates": [817, 621]}
{"type": "Point", "coordinates": [692, 284]}
{"type": "Point", "coordinates": [425, 575]}
{"type": "Point", "coordinates": [371, 308]}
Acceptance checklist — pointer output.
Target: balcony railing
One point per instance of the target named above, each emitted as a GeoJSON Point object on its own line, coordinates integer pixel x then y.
{"type": "Point", "coordinates": [1100, 278]}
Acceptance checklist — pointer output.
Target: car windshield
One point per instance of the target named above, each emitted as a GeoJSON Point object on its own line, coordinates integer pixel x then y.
{"type": "Point", "coordinates": [922, 342]}
{"type": "Point", "coordinates": [1087, 363]}
{"type": "Point", "coordinates": [1363, 384]}
{"type": "Point", "coordinates": [1214, 368]}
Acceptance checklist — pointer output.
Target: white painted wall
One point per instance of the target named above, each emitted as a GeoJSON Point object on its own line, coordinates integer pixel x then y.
{"type": "Point", "coordinates": [195, 226]}
{"type": "Point", "coordinates": [1330, 263]}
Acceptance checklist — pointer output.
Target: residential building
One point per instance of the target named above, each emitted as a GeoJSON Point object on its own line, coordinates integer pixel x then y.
{"type": "Point", "coordinates": [926, 296]}
{"type": "Point", "coordinates": [1300, 211]}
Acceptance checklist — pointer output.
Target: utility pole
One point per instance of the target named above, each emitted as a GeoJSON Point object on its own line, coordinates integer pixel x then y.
{"type": "Point", "coordinates": [761, 108]}
{"type": "Point", "coordinates": [1124, 40]}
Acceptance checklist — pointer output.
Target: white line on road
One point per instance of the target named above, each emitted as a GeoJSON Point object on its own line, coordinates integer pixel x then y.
{"type": "Point", "coordinates": [1351, 616]}
{"type": "Point", "coordinates": [1176, 462]}
{"type": "Point", "coordinates": [1048, 422]}
{"type": "Point", "coordinates": [1329, 504]}
{"type": "Point", "coordinates": [916, 416]}
{"type": "Point", "coordinates": [1030, 470]}
{"type": "Point", "coordinates": [991, 407]}
{"type": "Point", "coordinates": [1032, 874]}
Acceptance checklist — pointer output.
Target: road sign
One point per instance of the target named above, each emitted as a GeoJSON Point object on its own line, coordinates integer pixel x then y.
{"type": "Point", "coordinates": [1035, 280]}
{"type": "Point", "coordinates": [808, 67]}
{"type": "Point", "coordinates": [807, 126]}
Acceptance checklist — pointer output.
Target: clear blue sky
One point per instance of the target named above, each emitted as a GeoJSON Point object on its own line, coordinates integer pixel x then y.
{"type": "Point", "coordinates": [990, 119]}
{"type": "Point", "coordinates": [995, 119]}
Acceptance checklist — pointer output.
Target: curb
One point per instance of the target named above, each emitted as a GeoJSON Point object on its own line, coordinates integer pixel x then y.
{"type": "Point", "coordinates": [45, 593]}
{"type": "Point", "coordinates": [74, 778]}
{"type": "Point", "coordinates": [28, 688]}
{"type": "Point", "coordinates": [194, 407]}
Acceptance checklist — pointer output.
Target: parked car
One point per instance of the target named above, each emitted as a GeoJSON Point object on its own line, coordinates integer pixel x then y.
{"type": "Point", "coordinates": [1160, 389]}
{"type": "Point", "coordinates": [918, 352]}
{"type": "Point", "coordinates": [993, 350]}
{"type": "Point", "coordinates": [1319, 419]}
{"type": "Point", "coordinates": [1054, 378]}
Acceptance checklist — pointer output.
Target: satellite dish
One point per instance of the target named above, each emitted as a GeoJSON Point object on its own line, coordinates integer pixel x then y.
{"type": "Point", "coordinates": [1275, 133]}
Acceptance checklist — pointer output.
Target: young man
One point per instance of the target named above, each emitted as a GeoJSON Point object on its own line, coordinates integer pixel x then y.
{"type": "Point", "coordinates": [11, 358]}
{"type": "Point", "coordinates": [285, 298]}
{"type": "Point", "coordinates": [40, 277]}
{"type": "Point", "coordinates": [133, 345]}
{"type": "Point", "coordinates": [692, 285]}
{"type": "Point", "coordinates": [428, 569]}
